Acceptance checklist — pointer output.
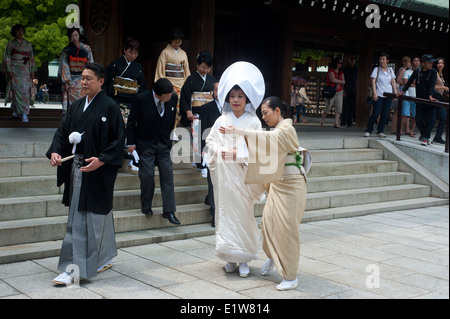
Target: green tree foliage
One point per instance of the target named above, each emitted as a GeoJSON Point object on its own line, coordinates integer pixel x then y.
{"type": "Point", "coordinates": [45, 24]}
{"type": "Point", "coordinates": [310, 53]}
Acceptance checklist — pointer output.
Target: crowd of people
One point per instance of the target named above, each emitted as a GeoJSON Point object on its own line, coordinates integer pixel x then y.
{"type": "Point", "coordinates": [415, 78]}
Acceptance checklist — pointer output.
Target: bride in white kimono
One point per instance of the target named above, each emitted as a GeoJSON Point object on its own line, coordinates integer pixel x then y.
{"type": "Point", "coordinates": [241, 90]}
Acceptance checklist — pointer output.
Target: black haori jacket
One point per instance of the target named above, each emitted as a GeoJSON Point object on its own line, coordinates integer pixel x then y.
{"type": "Point", "coordinates": [104, 137]}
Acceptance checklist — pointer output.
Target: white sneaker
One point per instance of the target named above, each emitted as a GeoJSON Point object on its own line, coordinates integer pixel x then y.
{"type": "Point", "coordinates": [230, 267]}
{"type": "Point", "coordinates": [244, 271]}
{"type": "Point", "coordinates": [381, 135]}
{"type": "Point", "coordinates": [204, 172]}
{"type": "Point", "coordinates": [287, 285]}
{"type": "Point", "coordinates": [63, 279]}
{"type": "Point", "coordinates": [24, 118]}
{"type": "Point", "coordinates": [367, 134]}
{"type": "Point", "coordinates": [267, 267]}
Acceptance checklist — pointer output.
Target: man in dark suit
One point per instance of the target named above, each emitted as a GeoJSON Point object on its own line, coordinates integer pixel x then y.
{"type": "Point", "coordinates": [209, 113]}
{"type": "Point", "coordinates": [149, 128]}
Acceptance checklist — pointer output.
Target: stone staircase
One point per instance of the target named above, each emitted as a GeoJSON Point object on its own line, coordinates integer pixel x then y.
{"type": "Point", "coordinates": [39, 118]}
{"type": "Point", "coordinates": [347, 179]}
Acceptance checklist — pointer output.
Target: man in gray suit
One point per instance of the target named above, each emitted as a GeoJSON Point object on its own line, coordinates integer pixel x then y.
{"type": "Point", "coordinates": [149, 128]}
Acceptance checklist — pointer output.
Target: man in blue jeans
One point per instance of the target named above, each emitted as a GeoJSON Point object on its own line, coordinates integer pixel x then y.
{"type": "Point", "coordinates": [425, 78]}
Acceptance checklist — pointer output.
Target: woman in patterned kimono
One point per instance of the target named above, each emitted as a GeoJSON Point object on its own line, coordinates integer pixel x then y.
{"type": "Point", "coordinates": [173, 64]}
{"type": "Point", "coordinates": [72, 60]}
{"type": "Point", "coordinates": [286, 185]}
{"type": "Point", "coordinates": [19, 66]}
{"type": "Point", "coordinates": [237, 236]}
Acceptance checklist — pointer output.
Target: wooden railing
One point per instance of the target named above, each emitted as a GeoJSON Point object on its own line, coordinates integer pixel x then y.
{"type": "Point", "coordinates": [402, 98]}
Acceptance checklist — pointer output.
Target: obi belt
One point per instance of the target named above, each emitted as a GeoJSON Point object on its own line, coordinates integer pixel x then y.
{"type": "Point", "coordinates": [174, 70]}
{"type": "Point", "coordinates": [125, 85]}
{"type": "Point", "coordinates": [201, 98]}
{"type": "Point", "coordinates": [77, 64]}
{"type": "Point", "coordinates": [298, 162]}
{"type": "Point", "coordinates": [20, 56]}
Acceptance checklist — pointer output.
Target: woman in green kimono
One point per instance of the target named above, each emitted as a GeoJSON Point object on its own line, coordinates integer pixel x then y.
{"type": "Point", "coordinates": [19, 66]}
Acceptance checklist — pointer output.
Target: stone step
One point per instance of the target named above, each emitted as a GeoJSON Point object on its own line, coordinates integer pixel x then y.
{"type": "Point", "coordinates": [330, 183]}
{"type": "Point", "coordinates": [129, 217]}
{"type": "Point", "coordinates": [345, 155]}
{"type": "Point", "coordinates": [54, 228]}
{"type": "Point", "coordinates": [351, 197]}
{"type": "Point", "coordinates": [352, 168]}
{"type": "Point", "coordinates": [23, 252]}
{"type": "Point", "coordinates": [50, 205]}
{"type": "Point", "coordinates": [46, 185]}
{"type": "Point", "coordinates": [40, 166]}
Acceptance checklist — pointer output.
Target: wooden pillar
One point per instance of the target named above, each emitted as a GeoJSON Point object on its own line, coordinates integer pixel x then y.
{"type": "Point", "coordinates": [364, 71]}
{"type": "Point", "coordinates": [284, 60]}
{"type": "Point", "coordinates": [202, 29]}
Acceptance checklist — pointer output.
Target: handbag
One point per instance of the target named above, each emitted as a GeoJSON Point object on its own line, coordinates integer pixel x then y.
{"type": "Point", "coordinates": [328, 92]}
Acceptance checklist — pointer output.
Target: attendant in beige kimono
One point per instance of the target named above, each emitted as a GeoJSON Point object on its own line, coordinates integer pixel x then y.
{"type": "Point", "coordinates": [173, 64]}
{"type": "Point", "coordinates": [284, 178]}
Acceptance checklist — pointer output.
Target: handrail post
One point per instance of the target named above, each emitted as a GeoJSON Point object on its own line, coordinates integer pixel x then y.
{"type": "Point", "coordinates": [399, 119]}
{"type": "Point", "coordinates": [447, 133]}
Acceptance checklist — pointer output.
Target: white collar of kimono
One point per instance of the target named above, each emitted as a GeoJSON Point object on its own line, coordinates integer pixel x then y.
{"type": "Point", "coordinates": [237, 120]}
{"type": "Point", "coordinates": [87, 103]}
{"type": "Point", "coordinates": [126, 60]}
{"type": "Point", "coordinates": [203, 77]}
{"type": "Point", "coordinates": [250, 80]}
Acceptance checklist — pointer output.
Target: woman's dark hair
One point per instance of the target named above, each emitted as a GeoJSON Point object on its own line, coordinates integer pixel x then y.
{"type": "Point", "coordinates": [163, 86]}
{"type": "Point", "coordinates": [275, 102]}
{"type": "Point", "coordinates": [16, 28]}
{"type": "Point", "coordinates": [236, 87]}
{"type": "Point", "coordinates": [131, 43]}
{"type": "Point", "coordinates": [386, 55]}
{"type": "Point", "coordinates": [205, 57]}
{"type": "Point", "coordinates": [177, 34]}
{"type": "Point", "coordinates": [72, 30]}
{"type": "Point", "coordinates": [97, 68]}
{"type": "Point", "coordinates": [336, 62]}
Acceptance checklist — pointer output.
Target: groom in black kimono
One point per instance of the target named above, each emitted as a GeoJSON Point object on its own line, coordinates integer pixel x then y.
{"type": "Point", "coordinates": [149, 128]}
{"type": "Point", "coordinates": [89, 178]}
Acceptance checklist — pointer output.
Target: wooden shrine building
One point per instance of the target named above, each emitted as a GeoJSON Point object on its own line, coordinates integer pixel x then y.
{"type": "Point", "coordinates": [270, 33]}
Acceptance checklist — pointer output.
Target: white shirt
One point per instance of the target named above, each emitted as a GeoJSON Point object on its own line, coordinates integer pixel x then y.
{"type": "Point", "coordinates": [156, 104]}
{"type": "Point", "coordinates": [412, 90]}
{"type": "Point", "coordinates": [384, 80]}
